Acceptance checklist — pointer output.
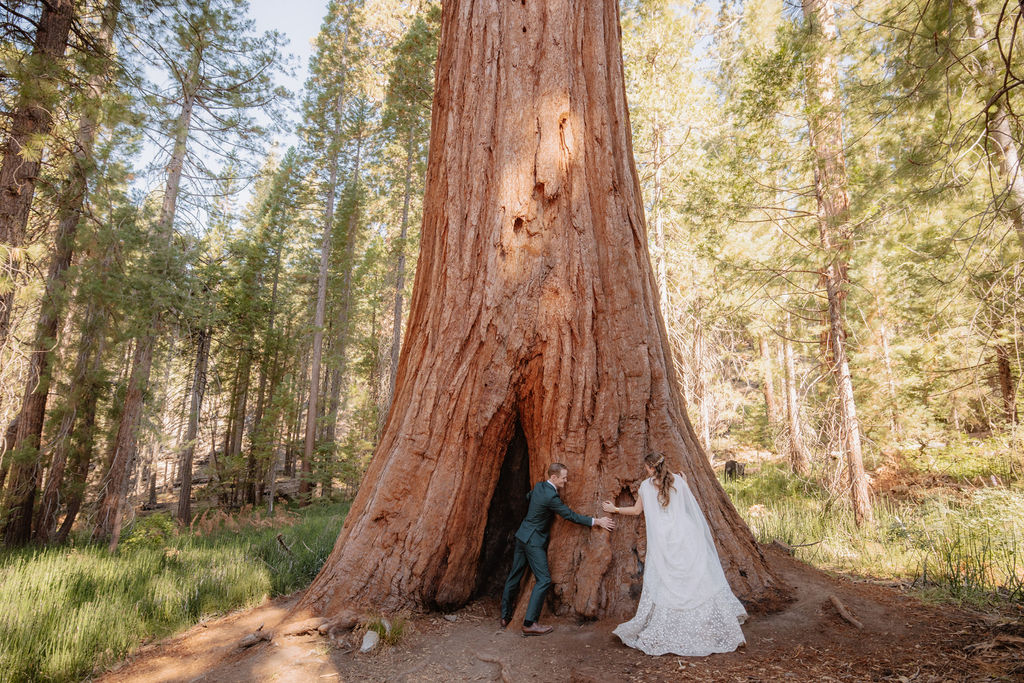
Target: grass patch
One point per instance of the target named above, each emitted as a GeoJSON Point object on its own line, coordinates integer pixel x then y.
{"type": "Point", "coordinates": [968, 460]}
{"type": "Point", "coordinates": [391, 630]}
{"type": "Point", "coordinates": [69, 610]}
{"type": "Point", "coordinates": [957, 547]}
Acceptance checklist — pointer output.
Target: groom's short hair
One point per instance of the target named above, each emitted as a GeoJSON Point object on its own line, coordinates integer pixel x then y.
{"type": "Point", "coordinates": [555, 467]}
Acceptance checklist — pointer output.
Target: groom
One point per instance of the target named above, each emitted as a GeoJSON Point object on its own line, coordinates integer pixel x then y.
{"type": "Point", "coordinates": [532, 547]}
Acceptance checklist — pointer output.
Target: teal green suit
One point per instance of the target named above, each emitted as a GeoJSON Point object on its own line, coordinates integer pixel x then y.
{"type": "Point", "coordinates": [532, 548]}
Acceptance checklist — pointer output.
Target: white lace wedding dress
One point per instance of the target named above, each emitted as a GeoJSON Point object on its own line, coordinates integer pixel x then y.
{"type": "Point", "coordinates": [686, 606]}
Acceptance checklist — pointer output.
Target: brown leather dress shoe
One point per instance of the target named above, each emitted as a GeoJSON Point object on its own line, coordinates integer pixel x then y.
{"type": "Point", "coordinates": [536, 630]}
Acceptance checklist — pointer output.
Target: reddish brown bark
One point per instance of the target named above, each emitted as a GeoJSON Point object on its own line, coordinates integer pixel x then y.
{"type": "Point", "coordinates": [29, 460]}
{"type": "Point", "coordinates": [535, 311]}
{"type": "Point", "coordinates": [124, 447]}
{"type": "Point", "coordinates": [31, 120]}
{"type": "Point", "coordinates": [72, 448]}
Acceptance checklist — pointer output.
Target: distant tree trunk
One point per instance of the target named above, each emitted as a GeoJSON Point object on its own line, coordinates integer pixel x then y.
{"type": "Point", "coordinates": [5, 453]}
{"type": "Point", "coordinates": [700, 382]}
{"type": "Point", "coordinates": [124, 447]}
{"type": "Point", "coordinates": [396, 329]}
{"type": "Point", "coordinates": [184, 512]}
{"type": "Point", "coordinates": [74, 436]}
{"type": "Point", "coordinates": [305, 486]}
{"type": "Point", "coordinates": [771, 405]}
{"type": "Point", "coordinates": [890, 379]}
{"type": "Point", "coordinates": [26, 446]}
{"type": "Point", "coordinates": [344, 313]}
{"type": "Point", "coordinates": [30, 123]}
{"type": "Point", "coordinates": [535, 310]}
{"type": "Point", "coordinates": [151, 476]}
{"type": "Point", "coordinates": [825, 122]}
{"type": "Point", "coordinates": [84, 438]}
{"type": "Point", "coordinates": [798, 458]}
{"type": "Point", "coordinates": [262, 394]}
{"type": "Point", "coordinates": [87, 366]}
{"type": "Point", "coordinates": [1005, 156]}
{"type": "Point", "coordinates": [238, 409]}
{"type": "Point", "coordinates": [108, 517]}
{"type": "Point", "coordinates": [1007, 387]}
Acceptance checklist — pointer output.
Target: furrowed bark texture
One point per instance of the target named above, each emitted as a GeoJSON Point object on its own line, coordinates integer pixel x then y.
{"type": "Point", "coordinates": [31, 119]}
{"type": "Point", "coordinates": [28, 437]}
{"type": "Point", "coordinates": [535, 311]}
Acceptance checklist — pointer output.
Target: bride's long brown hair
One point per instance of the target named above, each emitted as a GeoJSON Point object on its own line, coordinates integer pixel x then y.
{"type": "Point", "coordinates": [662, 476]}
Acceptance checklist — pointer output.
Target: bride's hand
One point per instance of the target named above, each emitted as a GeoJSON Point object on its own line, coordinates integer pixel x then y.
{"type": "Point", "coordinates": [609, 506]}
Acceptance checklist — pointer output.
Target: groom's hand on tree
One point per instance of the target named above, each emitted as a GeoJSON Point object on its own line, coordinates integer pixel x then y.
{"type": "Point", "coordinates": [604, 523]}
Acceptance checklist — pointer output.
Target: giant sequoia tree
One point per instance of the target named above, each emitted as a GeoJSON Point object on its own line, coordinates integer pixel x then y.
{"type": "Point", "coordinates": [534, 333]}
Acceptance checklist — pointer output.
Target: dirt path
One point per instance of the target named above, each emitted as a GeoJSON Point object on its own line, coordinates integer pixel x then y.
{"type": "Point", "coordinates": [901, 640]}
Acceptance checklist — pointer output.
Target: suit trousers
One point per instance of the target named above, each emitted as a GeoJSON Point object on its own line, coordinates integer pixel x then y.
{"type": "Point", "coordinates": [536, 556]}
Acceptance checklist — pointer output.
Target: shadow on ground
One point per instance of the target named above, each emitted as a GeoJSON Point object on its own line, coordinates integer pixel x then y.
{"type": "Point", "coordinates": [901, 639]}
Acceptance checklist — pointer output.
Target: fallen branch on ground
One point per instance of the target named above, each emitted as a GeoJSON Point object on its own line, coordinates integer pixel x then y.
{"type": "Point", "coordinates": [257, 636]}
{"type": "Point", "coordinates": [843, 612]}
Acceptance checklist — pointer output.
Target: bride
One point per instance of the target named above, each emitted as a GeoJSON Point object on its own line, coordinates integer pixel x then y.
{"type": "Point", "coordinates": [686, 606]}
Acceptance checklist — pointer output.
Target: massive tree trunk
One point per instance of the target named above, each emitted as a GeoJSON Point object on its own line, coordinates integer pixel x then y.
{"type": "Point", "coordinates": [31, 122]}
{"type": "Point", "coordinates": [26, 447]}
{"type": "Point", "coordinates": [825, 122]}
{"type": "Point", "coordinates": [535, 313]}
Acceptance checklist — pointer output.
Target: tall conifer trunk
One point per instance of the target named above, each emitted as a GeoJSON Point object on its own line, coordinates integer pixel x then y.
{"type": "Point", "coordinates": [396, 323]}
{"type": "Point", "coordinates": [825, 122]}
{"type": "Point", "coordinates": [29, 460]}
{"type": "Point", "coordinates": [114, 487]}
{"type": "Point", "coordinates": [798, 458]}
{"type": "Point", "coordinates": [312, 412]}
{"type": "Point", "coordinates": [31, 122]}
{"type": "Point", "coordinates": [535, 312]}
{"type": "Point", "coordinates": [184, 511]}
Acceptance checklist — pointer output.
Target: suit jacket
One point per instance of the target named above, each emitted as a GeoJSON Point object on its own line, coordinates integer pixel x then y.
{"type": "Point", "coordinates": [544, 504]}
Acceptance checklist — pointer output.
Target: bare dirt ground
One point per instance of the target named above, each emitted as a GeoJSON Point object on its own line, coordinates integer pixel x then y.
{"type": "Point", "coordinates": [901, 640]}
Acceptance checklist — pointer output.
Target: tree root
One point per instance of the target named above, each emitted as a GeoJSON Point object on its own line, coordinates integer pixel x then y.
{"type": "Point", "coordinates": [506, 675]}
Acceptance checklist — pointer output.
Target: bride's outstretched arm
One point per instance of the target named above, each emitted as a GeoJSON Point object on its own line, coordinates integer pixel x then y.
{"type": "Point", "coordinates": [632, 510]}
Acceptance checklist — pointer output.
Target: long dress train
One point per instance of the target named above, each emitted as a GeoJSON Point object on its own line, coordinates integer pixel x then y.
{"type": "Point", "coordinates": [686, 606]}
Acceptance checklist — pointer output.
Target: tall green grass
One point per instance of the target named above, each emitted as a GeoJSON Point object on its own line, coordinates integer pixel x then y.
{"type": "Point", "coordinates": [959, 547]}
{"type": "Point", "coordinates": [66, 611]}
